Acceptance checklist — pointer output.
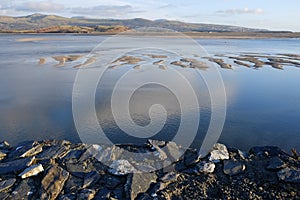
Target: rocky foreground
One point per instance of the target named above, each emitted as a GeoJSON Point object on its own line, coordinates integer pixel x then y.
{"type": "Point", "coordinates": [61, 170]}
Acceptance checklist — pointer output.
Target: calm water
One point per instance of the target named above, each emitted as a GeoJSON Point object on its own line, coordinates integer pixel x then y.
{"type": "Point", "coordinates": [263, 106]}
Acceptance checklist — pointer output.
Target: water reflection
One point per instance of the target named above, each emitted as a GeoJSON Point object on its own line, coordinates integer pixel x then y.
{"type": "Point", "coordinates": [36, 101]}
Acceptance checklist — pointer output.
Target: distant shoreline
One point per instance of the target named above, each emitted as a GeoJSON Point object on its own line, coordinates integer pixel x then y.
{"type": "Point", "coordinates": [204, 35]}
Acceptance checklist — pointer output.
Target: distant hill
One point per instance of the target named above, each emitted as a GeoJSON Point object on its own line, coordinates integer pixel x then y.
{"type": "Point", "coordinates": [53, 23]}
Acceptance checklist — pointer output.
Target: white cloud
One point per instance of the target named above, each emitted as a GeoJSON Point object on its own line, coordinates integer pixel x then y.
{"type": "Point", "coordinates": [105, 10]}
{"type": "Point", "coordinates": [240, 11]}
{"type": "Point", "coordinates": [40, 6]}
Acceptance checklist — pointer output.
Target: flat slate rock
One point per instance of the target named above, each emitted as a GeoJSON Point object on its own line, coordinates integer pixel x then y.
{"type": "Point", "coordinates": [33, 151]}
{"type": "Point", "coordinates": [53, 182]}
{"type": "Point", "coordinates": [32, 171]}
{"type": "Point", "coordinates": [6, 184]}
{"type": "Point", "coordinates": [15, 166]}
{"type": "Point", "coordinates": [53, 152]}
{"type": "Point", "coordinates": [139, 183]}
{"type": "Point", "coordinates": [90, 179]}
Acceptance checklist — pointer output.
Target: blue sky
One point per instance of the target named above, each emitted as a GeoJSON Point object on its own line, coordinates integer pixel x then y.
{"type": "Point", "coordinates": [269, 14]}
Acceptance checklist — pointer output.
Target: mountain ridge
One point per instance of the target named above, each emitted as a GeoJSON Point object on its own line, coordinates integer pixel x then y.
{"type": "Point", "coordinates": [38, 21]}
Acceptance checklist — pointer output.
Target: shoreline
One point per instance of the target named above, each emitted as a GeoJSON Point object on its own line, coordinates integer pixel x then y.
{"type": "Point", "coordinates": [61, 170]}
{"type": "Point", "coordinates": [196, 35]}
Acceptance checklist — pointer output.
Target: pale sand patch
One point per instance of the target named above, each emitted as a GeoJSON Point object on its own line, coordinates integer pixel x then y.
{"type": "Point", "coordinates": [63, 59]}
{"type": "Point", "coordinates": [35, 39]}
{"type": "Point", "coordinates": [87, 62]}
{"type": "Point", "coordinates": [42, 61]}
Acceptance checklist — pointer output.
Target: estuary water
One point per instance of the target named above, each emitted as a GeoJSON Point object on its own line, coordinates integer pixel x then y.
{"type": "Point", "coordinates": [263, 105]}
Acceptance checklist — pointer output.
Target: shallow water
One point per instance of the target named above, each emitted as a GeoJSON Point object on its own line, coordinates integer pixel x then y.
{"type": "Point", "coordinates": [263, 106]}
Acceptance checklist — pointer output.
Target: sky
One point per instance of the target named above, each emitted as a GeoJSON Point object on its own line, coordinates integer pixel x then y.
{"type": "Point", "coordinates": [266, 14]}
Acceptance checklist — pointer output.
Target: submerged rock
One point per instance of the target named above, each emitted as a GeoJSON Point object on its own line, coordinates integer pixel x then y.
{"type": "Point", "coordinates": [231, 167]}
{"type": "Point", "coordinates": [219, 152]}
{"type": "Point", "coordinates": [32, 171]}
{"type": "Point", "coordinates": [289, 175]}
{"type": "Point", "coordinates": [53, 182]}
{"type": "Point", "coordinates": [6, 184]}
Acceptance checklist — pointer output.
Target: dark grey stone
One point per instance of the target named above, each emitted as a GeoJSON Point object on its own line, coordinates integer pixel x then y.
{"type": "Point", "coordinates": [90, 179]}
{"type": "Point", "coordinates": [71, 196]}
{"type": "Point", "coordinates": [78, 169]}
{"type": "Point", "coordinates": [6, 184]}
{"type": "Point", "coordinates": [21, 149]}
{"type": "Point", "coordinates": [289, 175]}
{"type": "Point", "coordinates": [15, 166]}
{"type": "Point", "coordinates": [53, 152]}
{"type": "Point", "coordinates": [4, 145]}
{"type": "Point", "coordinates": [267, 151]}
{"type": "Point", "coordinates": [73, 184]}
{"type": "Point", "coordinates": [275, 163]}
{"type": "Point", "coordinates": [144, 196]}
{"type": "Point", "coordinates": [112, 182]}
{"type": "Point", "coordinates": [86, 194]}
{"type": "Point", "coordinates": [25, 190]}
{"type": "Point", "coordinates": [4, 195]}
{"type": "Point", "coordinates": [103, 194]}
{"type": "Point", "coordinates": [118, 193]}
{"type": "Point", "coordinates": [232, 168]}
{"type": "Point", "coordinates": [73, 154]}
{"type": "Point", "coordinates": [191, 157]}
{"type": "Point", "coordinates": [139, 183]}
